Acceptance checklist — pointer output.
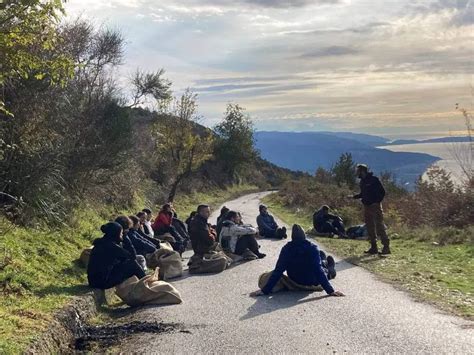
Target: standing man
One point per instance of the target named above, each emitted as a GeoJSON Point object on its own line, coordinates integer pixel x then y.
{"type": "Point", "coordinates": [372, 194]}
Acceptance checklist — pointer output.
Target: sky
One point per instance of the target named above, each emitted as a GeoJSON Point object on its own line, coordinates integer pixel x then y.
{"type": "Point", "coordinates": [394, 68]}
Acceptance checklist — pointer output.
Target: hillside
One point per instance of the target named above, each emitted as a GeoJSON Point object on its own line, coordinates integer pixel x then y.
{"type": "Point", "coordinates": [308, 150]}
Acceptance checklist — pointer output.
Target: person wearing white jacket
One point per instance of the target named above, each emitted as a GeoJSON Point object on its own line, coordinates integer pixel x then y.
{"type": "Point", "coordinates": [237, 238]}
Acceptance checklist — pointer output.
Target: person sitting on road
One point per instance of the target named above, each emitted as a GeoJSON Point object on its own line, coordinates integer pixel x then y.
{"type": "Point", "coordinates": [267, 226]}
{"type": "Point", "coordinates": [127, 244]}
{"type": "Point", "coordinates": [163, 224]}
{"type": "Point", "coordinates": [324, 222]}
{"type": "Point", "coordinates": [109, 263]}
{"type": "Point", "coordinates": [203, 237]}
{"type": "Point", "coordinates": [141, 245]}
{"type": "Point", "coordinates": [238, 238]}
{"type": "Point", "coordinates": [189, 219]}
{"type": "Point", "coordinates": [147, 229]}
{"type": "Point", "coordinates": [306, 266]}
{"type": "Point", "coordinates": [221, 219]}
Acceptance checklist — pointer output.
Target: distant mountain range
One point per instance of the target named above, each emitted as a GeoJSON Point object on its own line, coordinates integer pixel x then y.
{"type": "Point", "coordinates": [306, 151]}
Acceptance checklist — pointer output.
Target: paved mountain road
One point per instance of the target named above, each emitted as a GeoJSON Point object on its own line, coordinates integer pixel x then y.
{"type": "Point", "coordinates": [220, 317]}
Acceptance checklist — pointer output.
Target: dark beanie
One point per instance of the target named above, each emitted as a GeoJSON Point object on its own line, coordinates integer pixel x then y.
{"type": "Point", "coordinates": [111, 230]}
{"type": "Point", "coordinates": [261, 207]}
{"type": "Point", "coordinates": [297, 233]}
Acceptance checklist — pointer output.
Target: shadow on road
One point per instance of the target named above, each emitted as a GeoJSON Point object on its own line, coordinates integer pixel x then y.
{"type": "Point", "coordinates": [268, 304]}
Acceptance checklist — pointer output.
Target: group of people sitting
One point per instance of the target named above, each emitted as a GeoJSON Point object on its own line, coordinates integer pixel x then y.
{"type": "Point", "coordinates": [128, 241]}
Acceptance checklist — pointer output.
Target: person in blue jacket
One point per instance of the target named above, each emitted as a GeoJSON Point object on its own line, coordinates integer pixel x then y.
{"type": "Point", "coordinates": [267, 227]}
{"type": "Point", "coordinates": [141, 244]}
{"type": "Point", "coordinates": [302, 262]}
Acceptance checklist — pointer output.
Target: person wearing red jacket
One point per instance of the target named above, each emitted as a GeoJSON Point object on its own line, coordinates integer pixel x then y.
{"type": "Point", "coordinates": [163, 224]}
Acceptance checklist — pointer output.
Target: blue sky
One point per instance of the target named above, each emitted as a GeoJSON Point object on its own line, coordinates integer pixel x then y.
{"type": "Point", "coordinates": [392, 67]}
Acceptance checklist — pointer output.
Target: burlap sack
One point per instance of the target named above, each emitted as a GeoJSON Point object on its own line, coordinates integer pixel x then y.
{"type": "Point", "coordinates": [285, 283]}
{"type": "Point", "coordinates": [209, 263]}
{"type": "Point", "coordinates": [85, 255]}
{"type": "Point", "coordinates": [148, 290]}
{"type": "Point", "coordinates": [168, 260]}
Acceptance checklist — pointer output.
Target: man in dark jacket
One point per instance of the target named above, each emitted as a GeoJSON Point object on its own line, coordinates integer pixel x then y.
{"type": "Point", "coordinates": [109, 263]}
{"type": "Point", "coordinates": [301, 260]}
{"type": "Point", "coordinates": [203, 237]}
{"type": "Point", "coordinates": [324, 222]}
{"type": "Point", "coordinates": [267, 226]}
{"type": "Point", "coordinates": [372, 193]}
{"type": "Point", "coordinates": [141, 244]}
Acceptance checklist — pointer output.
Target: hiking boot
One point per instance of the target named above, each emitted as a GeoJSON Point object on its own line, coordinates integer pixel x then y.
{"type": "Point", "coordinates": [261, 255]}
{"type": "Point", "coordinates": [373, 250]}
{"type": "Point", "coordinates": [331, 265]}
{"type": "Point", "coordinates": [283, 229]}
{"type": "Point", "coordinates": [385, 250]}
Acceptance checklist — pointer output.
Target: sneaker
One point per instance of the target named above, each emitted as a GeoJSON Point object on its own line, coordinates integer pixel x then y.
{"type": "Point", "coordinates": [372, 251]}
{"type": "Point", "coordinates": [385, 250]}
{"type": "Point", "coordinates": [331, 265]}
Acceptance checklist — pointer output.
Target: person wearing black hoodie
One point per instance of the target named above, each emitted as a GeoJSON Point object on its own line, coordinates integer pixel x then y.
{"type": "Point", "coordinates": [372, 194]}
{"type": "Point", "coordinates": [302, 262]}
{"type": "Point", "coordinates": [110, 264]}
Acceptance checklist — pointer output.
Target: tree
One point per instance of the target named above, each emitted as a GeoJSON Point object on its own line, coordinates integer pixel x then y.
{"type": "Point", "coordinates": [29, 29]}
{"type": "Point", "coordinates": [464, 155]}
{"type": "Point", "coordinates": [235, 144]}
{"type": "Point", "coordinates": [323, 176]}
{"type": "Point", "coordinates": [344, 170]}
{"type": "Point", "coordinates": [182, 144]}
{"type": "Point", "coordinates": [150, 84]}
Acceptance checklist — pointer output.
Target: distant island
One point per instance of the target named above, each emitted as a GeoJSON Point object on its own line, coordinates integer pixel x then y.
{"type": "Point", "coordinates": [432, 140]}
{"type": "Point", "coordinates": [306, 151]}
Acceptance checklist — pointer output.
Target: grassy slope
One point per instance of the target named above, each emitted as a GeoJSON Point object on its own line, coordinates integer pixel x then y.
{"type": "Point", "coordinates": [39, 270]}
{"type": "Point", "coordinates": [443, 275]}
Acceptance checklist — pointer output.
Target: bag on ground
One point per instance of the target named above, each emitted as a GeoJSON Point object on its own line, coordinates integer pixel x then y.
{"type": "Point", "coordinates": [148, 290]}
{"type": "Point", "coordinates": [209, 263]}
{"type": "Point", "coordinates": [167, 260]}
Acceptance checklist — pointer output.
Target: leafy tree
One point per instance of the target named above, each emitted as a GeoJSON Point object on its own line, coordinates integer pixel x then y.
{"type": "Point", "coordinates": [29, 30]}
{"type": "Point", "coordinates": [344, 170]}
{"type": "Point", "coordinates": [235, 144]}
{"type": "Point", "coordinates": [182, 144]}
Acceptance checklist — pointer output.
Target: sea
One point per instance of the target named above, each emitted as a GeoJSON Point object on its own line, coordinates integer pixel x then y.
{"type": "Point", "coordinates": [450, 154]}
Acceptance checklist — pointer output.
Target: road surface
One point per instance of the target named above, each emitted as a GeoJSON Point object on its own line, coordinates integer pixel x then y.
{"type": "Point", "coordinates": [220, 317]}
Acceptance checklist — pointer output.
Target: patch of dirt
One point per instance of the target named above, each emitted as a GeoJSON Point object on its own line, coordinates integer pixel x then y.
{"type": "Point", "coordinates": [100, 337]}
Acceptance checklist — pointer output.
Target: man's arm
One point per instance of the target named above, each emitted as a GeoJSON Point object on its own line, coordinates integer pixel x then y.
{"type": "Point", "coordinates": [277, 273]}
{"type": "Point", "coordinates": [320, 274]}
{"type": "Point", "coordinates": [243, 230]}
{"type": "Point", "coordinates": [262, 225]}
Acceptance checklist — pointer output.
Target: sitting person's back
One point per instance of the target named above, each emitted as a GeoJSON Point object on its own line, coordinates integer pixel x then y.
{"type": "Point", "coordinates": [109, 263]}
{"type": "Point", "coordinates": [301, 259]}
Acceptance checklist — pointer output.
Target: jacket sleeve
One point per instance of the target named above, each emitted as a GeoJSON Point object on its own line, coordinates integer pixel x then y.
{"type": "Point", "coordinates": [262, 225]}
{"type": "Point", "coordinates": [128, 246]}
{"type": "Point", "coordinates": [243, 230]}
{"type": "Point", "coordinates": [320, 274]}
{"type": "Point", "coordinates": [274, 224]}
{"type": "Point", "coordinates": [379, 190]}
{"type": "Point", "coordinates": [280, 268]}
{"type": "Point", "coordinates": [144, 244]}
